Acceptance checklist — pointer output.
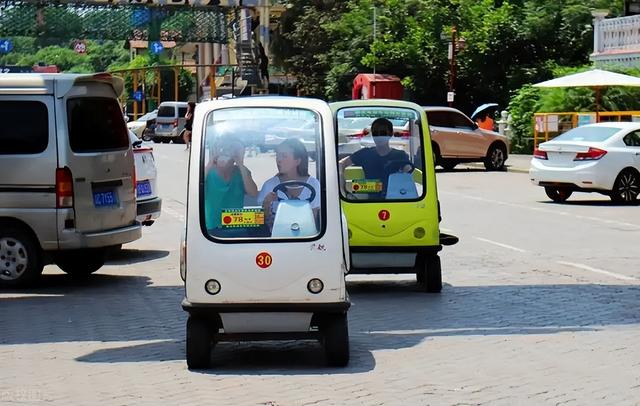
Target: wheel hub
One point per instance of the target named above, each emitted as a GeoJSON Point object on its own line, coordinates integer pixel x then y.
{"type": "Point", "coordinates": [13, 258]}
{"type": "Point", "coordinates": [629, 187]}
{"type": "Point", "coordinates": [497, 157]}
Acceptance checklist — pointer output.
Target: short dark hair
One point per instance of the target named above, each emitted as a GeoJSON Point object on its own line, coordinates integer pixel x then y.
{"type": "Point", "coordinates": [384, 124]}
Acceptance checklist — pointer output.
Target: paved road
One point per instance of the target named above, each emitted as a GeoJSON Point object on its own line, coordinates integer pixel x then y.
{"type": "Point", "coordinates": [540, 306]}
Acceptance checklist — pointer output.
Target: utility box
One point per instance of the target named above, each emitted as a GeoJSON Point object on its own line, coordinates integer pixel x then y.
{"type": "Point", "coordinates": [377, 86]}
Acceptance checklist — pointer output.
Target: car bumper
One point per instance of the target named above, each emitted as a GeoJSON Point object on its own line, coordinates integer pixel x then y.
{"type": "Point", "coordinates": [149, 209]}
{"type": "Point", "coordinates": [582, 176]}
{"type": "Point", "coordinates": [70, 239]}
{"type": "Point", "coordinates": [166, 134]}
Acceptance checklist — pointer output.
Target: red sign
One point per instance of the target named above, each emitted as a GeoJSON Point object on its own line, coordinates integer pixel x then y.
{"type": "Point", "coordinates": [384, 215]}
{"type": "Point", "coordinates": [80, 47]}
{"type": "Point", "coordinates": [264, 260]}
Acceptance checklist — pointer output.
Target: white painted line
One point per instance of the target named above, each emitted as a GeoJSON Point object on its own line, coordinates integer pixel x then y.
{"type": "Point", "coordinates": [173, 213]}
{"type": "Point", "coordinates": [499, 244]}
{"type": "Point", "coordinates": [600, 271]}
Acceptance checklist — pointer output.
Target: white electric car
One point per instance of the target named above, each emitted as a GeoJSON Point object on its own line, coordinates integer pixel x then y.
{"type": "Point", "coordinates": [265, 250]}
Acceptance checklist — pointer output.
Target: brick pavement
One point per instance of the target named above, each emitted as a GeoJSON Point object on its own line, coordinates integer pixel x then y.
{"type": "Point", "coordinates": [503, 331]}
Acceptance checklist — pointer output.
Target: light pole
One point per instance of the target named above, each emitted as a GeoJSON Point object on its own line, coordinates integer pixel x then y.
{"type": "Point", "coordinates": [455, 44]}
{"type": "Point", "coordinates": [374, 39]}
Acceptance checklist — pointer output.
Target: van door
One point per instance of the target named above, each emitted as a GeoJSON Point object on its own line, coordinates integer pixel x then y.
{"type": "Point", "coordinates": [98, 153]}
{"type": "Point", "coordinates": [28, 162]}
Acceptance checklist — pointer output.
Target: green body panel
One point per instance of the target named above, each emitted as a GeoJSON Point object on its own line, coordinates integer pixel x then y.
{"type": "Point", "coordinates": [366, 229]}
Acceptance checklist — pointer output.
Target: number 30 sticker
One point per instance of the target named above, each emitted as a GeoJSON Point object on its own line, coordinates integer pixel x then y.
{"type": "Point", "coordinates": [263, 260]}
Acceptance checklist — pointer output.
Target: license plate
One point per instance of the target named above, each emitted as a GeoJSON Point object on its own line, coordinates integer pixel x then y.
{"type": "Point", "coordinates": [105, 199]}
{"type": "Point", "coordinates": [143, 188]}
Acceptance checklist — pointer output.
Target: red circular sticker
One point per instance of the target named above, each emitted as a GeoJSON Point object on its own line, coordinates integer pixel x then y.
{"type": "Point", "coordinates": [356, 187]}
{"type": "Point", "coordinates": [264, 260]}
{"type": "Point", "coordinates": [384, 215]}
{"type": "Point", "coordinates": [226, 219]}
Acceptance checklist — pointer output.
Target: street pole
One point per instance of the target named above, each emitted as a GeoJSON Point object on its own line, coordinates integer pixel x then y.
{"type": "Point", "coordinates": [374, 40]}
{"type": "Point", "coordinates": [452, 66]}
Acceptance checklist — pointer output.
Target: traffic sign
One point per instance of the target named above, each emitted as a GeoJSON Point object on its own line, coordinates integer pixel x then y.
{"type": "Point", "coordinates": [138, 95]}
{"type": "Point", "coordinates": [80, 47]}
{"type": "Point", "coordinates": [156, 47]}
{"type": "Point", "coordinates": [6, 46]}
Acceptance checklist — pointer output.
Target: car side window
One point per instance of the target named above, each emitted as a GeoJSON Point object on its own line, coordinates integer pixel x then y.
{"type": "Point", "coordinates": [25, 127]}
{"type": "Point", "coordinates": [182, 111]}
{"type": "Point", "coordinates": [438, 119]}
{"type": "Point", "coordinates": [632, 139]}
{"type": "Point", "coordinates": [461, 121]}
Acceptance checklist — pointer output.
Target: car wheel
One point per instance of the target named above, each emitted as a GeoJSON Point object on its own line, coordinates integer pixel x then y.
{"type": "Point", "coordinates": [431, 269]}
{"type": "Point", "coordinates": [81, 263]}
{"type": "Point", "coordinates": [557, 194]}
{"type": "Point", "coordinates": [147, 135]}
{"type": "Point", "coordinates": [448, 164]}
{"type": "Point", "coordinates": [626, 188]}
{"type": "Point", "coordinates": [20, 257]}
{"type": "Point", "coordinates": [496, 156]}
{"type": "Point", "coordinates": [335, 335]}
{"type": "Point", "coordinates": [199, 343]}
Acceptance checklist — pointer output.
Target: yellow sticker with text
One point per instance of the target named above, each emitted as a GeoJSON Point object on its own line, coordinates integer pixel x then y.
{"type": "Point", "coordinates": [366, 186]}
{"type": "Point", "coordinates": [237, 218]}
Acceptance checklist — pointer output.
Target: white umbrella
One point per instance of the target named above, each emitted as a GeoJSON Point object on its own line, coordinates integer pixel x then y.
{"type": "Point", "coordinates": [595, 79]}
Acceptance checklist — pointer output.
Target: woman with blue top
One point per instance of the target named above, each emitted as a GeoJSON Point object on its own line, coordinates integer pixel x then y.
{"type": "Point", "coordinates": [227, 180]}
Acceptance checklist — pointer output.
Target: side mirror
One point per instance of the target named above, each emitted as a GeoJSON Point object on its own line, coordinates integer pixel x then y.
{"type": "Point", "coordinates": [136, 144]}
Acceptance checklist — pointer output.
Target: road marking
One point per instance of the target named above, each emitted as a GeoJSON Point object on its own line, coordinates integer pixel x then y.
{"type": "Point", "coordinates": [543, 210]}
{"type": "Point", "coordinates": [173, 213]}
{"type": "Point", "coordinates": [499, 244]}
{"type": "Point", "coordinates": [600, 271]}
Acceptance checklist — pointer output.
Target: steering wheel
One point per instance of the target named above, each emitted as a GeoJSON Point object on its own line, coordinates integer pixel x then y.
{"type": "Point", "coordinates": [282, 187]}
{"type": "Point", "coordinates": [395, 166]}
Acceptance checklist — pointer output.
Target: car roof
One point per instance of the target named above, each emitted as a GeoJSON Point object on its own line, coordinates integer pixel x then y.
{"type": "Point", "coordinates": [623, 125]}
{"type": "Point", "coordinates": [48, 83]}
{"type": "Point", "coordinates": [441, 108]}
{"type": "Point", "coordinates": [173, 103]}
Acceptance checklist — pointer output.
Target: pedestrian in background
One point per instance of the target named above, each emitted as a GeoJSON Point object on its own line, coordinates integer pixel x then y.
{"type": "Point", "coordinates": [188, 125]}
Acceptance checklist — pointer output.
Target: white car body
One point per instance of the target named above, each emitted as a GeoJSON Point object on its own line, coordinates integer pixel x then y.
{"type": "Point", "coordinates": [149, 203]}
{"type": "Point", "coordinates": [275, 302]}
{"type": "Point", "coordinates": [564, 169]}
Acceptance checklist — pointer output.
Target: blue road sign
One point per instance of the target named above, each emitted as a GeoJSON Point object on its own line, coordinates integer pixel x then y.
{"type": "Point", "coordinates": [6, 46]}
{"type": "Point", "coordinates": [138, 95]}
{"type": "Point", "coordinates": [156, 47]}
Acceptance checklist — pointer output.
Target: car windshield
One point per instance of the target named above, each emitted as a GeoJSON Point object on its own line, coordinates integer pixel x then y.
{"type": "Point", "coordinates": [380, 153]}
{"type": "Point", "coordinates": [166, 111]}
{"type": "Point", "coordinates": [148, 116]}
{"type": "Point", "coordinates": [254, 193]}
{"type": "Point", "coordinates": [593, 134]}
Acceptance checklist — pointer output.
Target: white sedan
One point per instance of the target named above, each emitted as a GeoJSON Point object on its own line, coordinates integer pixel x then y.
{"type": "Point", "coordinates": [149, 203]}
{"type": "Point", "coordinates": [603, 158]}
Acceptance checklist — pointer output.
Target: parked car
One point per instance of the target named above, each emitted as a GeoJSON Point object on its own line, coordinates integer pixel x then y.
{"type": "Point", "coordinates": [144, 126]}
{"type": "Point", "coordinates": [355, 133]}
{"type": "Point", "coordinates": [306, 131]}
{"type": "Point", "coordinates": [456, 138]}
{"type": "Point", "coordinates": [603, 158]}
{"type": "Point", "coordinates": [147, 199]}
{"type": "Point", "coordinates": [67, 188]}
{"type": "Point", "coordinates": [170, 122]}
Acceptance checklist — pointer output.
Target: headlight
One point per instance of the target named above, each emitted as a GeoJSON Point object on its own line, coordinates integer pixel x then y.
{"type": "Point", "coordinates": [315, 286]}
{"type": "Point", "coordinates": [212, 287]}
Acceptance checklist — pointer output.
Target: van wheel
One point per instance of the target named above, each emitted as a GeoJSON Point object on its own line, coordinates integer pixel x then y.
{"type": "Point", "coordinates": [80, 263]}
{"type": "Point", "coordinates": [20, 257]}
{"type": "Point", "coordinates": [336, 340]}
{"type": "Point", "coordinates": [448, 164]}
{"type": "Point", "coordinates": [496, 156]}
{"type": "Point", "coordinates": [429, 266]}
{"type": "Point", "coordinates": [199, 343]}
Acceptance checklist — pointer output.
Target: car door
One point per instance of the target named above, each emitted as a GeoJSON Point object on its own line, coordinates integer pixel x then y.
{"type": "Point", "coordinates": [98, 154]}
{"type": "Point", "coordinates": [471, 141]}
{"type": "Point", "coordinates": [632, 141]}
{"type": "Point", "coordinates": [443, 132]}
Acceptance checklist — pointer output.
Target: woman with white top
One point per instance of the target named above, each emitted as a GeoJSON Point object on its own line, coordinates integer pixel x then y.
{"type": "Point", "coordinates": [292, 160]}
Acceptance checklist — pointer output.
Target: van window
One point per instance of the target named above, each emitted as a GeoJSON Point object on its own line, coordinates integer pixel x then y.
{"type": "Point", "coordinates": [96, 124]}
{"type": "Point", "coordinates": [380, 153]}
{"type": "Point", "coordinates": [166, 111]}
{"type": "Point", "coordinates": [182, 111]}
{"type": "Point", "coordinates": [25, 127]}
{"type": "Point", "coordinates": [252, 192]}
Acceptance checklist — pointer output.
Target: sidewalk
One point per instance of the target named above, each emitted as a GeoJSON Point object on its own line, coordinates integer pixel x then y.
{"type": "Point", "coordinates": [515, 163]}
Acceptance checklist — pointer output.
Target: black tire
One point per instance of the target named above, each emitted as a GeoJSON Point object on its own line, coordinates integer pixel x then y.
{"type": "Point", "coordinates": [557, 194]}
{"type": "Point", "coordinates": [81, 263]}
{"type": "Point", "coordinates": [21, 260]}
{"type": "Point", "coordinates": [147, 135]}
{"type": "Point", "coordinates": [496, 157]}
{"type": "Point", "coordinates": [199, 343]}
{"type": "Point", "coordinates": [626, 188]}
{"type": "Point", "coordinates": [336, 340]}
{"type": "Point", "coordinates": [448, 164]}
{"type": "Point", "coordinates": [157, 140]}
{"type": "Point", "coordinates": [431, 269]}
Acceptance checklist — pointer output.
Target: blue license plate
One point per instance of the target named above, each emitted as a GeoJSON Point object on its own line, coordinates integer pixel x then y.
{"type": "Point", "coordinates": [143, 188]}
{"type": "Point", "coordinates": [105, 199]}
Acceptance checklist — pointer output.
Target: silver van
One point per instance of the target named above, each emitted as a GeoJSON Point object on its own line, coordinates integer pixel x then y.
{"type": "Point", "coordinates": [67, 177]}
{"type": "Point", "coordinates": [170, 122]}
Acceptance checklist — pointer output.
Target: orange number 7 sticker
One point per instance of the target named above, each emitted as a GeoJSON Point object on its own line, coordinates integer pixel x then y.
{"type": "Point", "coordinates": [263, 260]}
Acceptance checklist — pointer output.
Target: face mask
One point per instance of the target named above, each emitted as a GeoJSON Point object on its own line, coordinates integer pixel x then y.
{"type": "Point", "coordinates": [381, 139]}
{"type": "Point", "coordinates": [223, 160]}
